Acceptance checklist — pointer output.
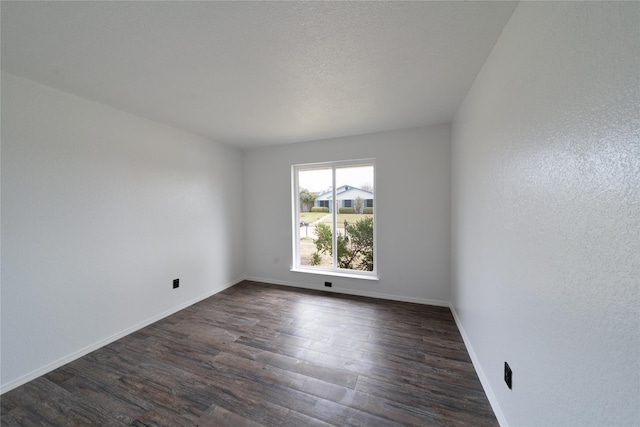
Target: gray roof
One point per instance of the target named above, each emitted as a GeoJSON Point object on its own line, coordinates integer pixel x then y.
{"type": "Point", "coordinates": [346, 192]}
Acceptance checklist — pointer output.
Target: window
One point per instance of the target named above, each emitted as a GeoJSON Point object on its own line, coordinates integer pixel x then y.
{"type": "Point", "coordinates": [333, 218]}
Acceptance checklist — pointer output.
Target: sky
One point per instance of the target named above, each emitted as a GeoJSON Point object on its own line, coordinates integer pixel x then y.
{"type": "Point", "coordinates": [320, 179]}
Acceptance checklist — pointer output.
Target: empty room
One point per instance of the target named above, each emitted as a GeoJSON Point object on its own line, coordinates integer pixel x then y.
{"type": "Point", "coordinates": [320, 213]}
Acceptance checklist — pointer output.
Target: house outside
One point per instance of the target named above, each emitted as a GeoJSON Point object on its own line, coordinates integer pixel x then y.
{"type": "Point", "coordinates": [346, 196]}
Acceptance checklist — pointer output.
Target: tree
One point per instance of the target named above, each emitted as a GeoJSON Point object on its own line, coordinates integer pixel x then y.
{"type": "Point", "coordinates": [323, 242]}
{"type": "Point", "coordinates": [307, 198]}
{"type": "Point", "coordinates": [358, 205]}
{"type": "Point", "coordinates": [355, 247]}
{"type": "Point", "coordinates": [367, 187]}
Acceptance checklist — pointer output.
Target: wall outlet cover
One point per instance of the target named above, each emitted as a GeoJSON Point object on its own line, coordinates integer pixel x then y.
{"type": "Point", "coordinates": [508, 375]}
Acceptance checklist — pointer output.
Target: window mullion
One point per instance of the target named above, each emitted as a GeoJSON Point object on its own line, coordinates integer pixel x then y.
{"type": "Point", "coordinates": [334, 218]}
{"type": "Point", "coordinates": [296, 216]}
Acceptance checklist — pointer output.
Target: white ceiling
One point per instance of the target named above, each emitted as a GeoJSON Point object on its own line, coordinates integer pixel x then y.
{"type": "Point", "coordinates": [259, 73]}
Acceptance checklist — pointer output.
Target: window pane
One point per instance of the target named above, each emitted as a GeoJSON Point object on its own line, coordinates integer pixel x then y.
{"type": "Point", "coordinates": [315, 221]}
{"type": "Point", "coordinates": [355, 198]}
{"type": "Point", "coordinates": [334, 222]}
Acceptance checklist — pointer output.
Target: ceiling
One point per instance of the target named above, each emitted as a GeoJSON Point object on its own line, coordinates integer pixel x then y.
{"type": "Point", "coordinates": [259, 73]}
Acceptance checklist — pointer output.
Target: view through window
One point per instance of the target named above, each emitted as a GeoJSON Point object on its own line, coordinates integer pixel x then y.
{"type": "Point", "coordinates": [334, 216]}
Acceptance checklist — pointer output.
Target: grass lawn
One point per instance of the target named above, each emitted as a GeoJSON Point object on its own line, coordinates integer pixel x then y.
{"type": "Point", "coordinates": [351, 218]}
{"type": "Point", "coordinates": [311, 216]}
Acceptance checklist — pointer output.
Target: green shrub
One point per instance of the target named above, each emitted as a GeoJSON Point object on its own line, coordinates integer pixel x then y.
{"type": "Point", "coordinates": [368, 211]}
{"type": "Point", "coordinates": [355, 247]}
{"type": "Point", "coordinates": [320, 209]}
{"type": "Point", "coordinates": [346, 210]}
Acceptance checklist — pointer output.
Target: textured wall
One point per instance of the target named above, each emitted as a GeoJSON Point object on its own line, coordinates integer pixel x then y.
{"type": "Point", "coordinates": [412, 211]}
{"type": "Point", "coordinates": [546, 233]}
{"type": "Point", "coordinates": [100, 211]}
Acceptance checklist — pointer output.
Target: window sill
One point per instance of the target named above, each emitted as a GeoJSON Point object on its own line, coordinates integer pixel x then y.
{"type": "Point", "coordinates": [335, 274]}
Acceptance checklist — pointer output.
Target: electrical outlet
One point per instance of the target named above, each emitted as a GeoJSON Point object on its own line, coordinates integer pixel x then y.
{"type": "Point", "coordinates": [327, 284]}
{"type": "Point", "coordinates": [508, 375]}
{"type": "Point", "coordinates": [176, 283]}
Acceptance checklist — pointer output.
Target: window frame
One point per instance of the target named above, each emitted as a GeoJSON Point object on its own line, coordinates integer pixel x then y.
{"type": "Point", "coordinates": [335, 270]}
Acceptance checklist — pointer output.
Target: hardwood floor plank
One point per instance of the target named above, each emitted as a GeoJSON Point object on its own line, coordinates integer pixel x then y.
{"type": "Point", "coordinates": [296, 419]}
{"type": "Point", "coordinates": [220, 417]}
{"type": "Point", "coordinates": [258, 354]}
{"type": "Point", "coordinates": [44, 400]}
{"type": "Point", "coordinates": [125, 407]}
{"type": "Point", "coordinates": [381, 409]}
{"type": "Point", "coordinates": [444, 402]}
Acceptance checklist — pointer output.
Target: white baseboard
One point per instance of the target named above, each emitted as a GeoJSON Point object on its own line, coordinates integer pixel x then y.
{"type": "Point", "coordinates": [82, 352]}
{"type": "Point", "coordinates": [493, 401]}
{"type": "Point", "coordinates": [353, 292]}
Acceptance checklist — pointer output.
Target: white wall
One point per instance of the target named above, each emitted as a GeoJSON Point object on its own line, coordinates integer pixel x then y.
{"type": "Point", "coordinates": [412, 208]}
{"type": "Point", "coordinates": [546, 196]}
{"type": "Point", "coordinates": [101, 210]}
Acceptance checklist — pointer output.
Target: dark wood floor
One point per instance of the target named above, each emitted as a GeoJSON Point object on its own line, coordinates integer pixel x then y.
{"type": "Point", "coordinates": [259, 354]}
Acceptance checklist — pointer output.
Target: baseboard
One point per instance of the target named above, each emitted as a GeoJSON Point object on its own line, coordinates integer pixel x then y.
{"type": "Point", "coordinates": [493, 401]}
{"type": "Point", "coordinates": [353, 292]}
{"type": "Point", "coordinates": [78, 354]}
